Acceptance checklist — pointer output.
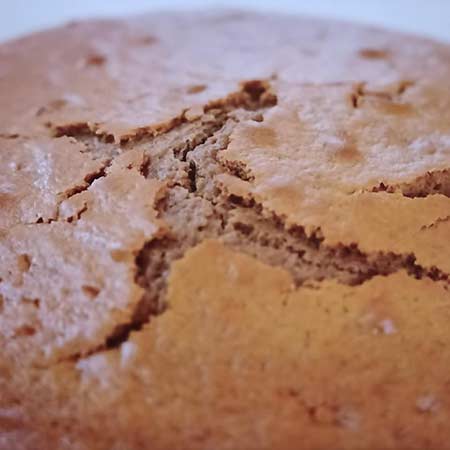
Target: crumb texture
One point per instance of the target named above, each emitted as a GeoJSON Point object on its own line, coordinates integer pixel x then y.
{"type": "Point", "coordinates": [236, 252]}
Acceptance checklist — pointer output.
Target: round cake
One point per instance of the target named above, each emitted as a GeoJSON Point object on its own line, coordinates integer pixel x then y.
{"type": "Point", "coordinates": [224, 230]}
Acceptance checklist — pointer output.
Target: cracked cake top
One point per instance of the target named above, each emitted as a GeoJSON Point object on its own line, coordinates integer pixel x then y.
{"type": "Point", "coordinates": [224, 230]}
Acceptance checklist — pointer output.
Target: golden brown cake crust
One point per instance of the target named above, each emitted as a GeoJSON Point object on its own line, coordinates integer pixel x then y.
{"type": "Point", "coordinates": [224, 230]}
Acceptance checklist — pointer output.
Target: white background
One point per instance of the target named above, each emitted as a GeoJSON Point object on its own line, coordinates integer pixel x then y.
{"type": "Point", "coordinates": [429, 17]}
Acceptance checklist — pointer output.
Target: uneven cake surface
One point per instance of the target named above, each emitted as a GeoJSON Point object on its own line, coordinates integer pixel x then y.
{"type": "Point", "coordinates": [210, 239]}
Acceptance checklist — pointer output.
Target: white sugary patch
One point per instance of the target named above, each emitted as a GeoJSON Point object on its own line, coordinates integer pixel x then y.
{"type": "Point", "coordinates": [74, 99]}
{"type": "Point", "coordinates": [95, 367]}
{"type": "Point", "coordinates": [426, 403]}
{"type": "Point", "coordinates": [128, 352]}
{"type": "Point", "coordinates": [387, 326]}
{"type": "Point", "coordinates": [384, 326]}
{"type": "Point", "coordinates": [11, 412]}
{"type": "Point", "coordinates": [436, 147]}
{"type": "Point", "coordinates": [232, 272]}
{"type": "Point", "coordinates": [349, 419]}
{"type": "Point", "coordinates": [277, 181]}
{"type": "Point", "coordinates": [333, 141]}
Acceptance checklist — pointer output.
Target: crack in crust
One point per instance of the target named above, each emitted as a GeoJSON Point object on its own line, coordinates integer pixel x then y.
{"type": "Point", "coordinates": [435, 182]}
{"type": "Point", "coordinates": [392, 94]}
{"type": "Point", "coordinates": [189, 168]}
{"type": "Point", "coordinates": [437, 222]}
{"type": "Point", "coordinates": [88, 180]}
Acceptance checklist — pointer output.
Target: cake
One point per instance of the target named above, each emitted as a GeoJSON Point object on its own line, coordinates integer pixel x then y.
{"type": "Point", "coordinates": [224, 230]}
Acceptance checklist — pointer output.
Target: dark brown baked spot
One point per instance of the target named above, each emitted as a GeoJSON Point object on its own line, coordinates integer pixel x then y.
{"type": "Point", "coordinates": [23, 262]}
{"type": "Point", "coordinates": [5, 200]}
{"type": "Point", "coordinates": [348, 154]}
{"type": "Point", "coordinates": [95, 59]}
{"type": "Point", "coordinates": [77, 130]}
{"type": "Point", "coordinates": [32, 301]}
{"type": "Point", "coordinates": [373, 53]}
{"type": "Point", "coordinates": [259, 92]}
{"type": "Point", "coordinates": [10, 424]}
{"type": "Point", "coordinates": [25, 331]}
{"type": "Point", "coordinates": [192, 175]}
{"type": "Point", "coordinates": [356, 94]}
{"type": "Point", "coordinates": [120, 255]}
{"type": "Point", "coordinates": [90, 291]}
{"type": "Point", "coordinates": [263, 137]}
{"type": "Point", "coordinates": [403, 86]}
{"type": "Point", "coordinates": [196, 88]}
{"type": "Point", "coordinates": [9, 135]}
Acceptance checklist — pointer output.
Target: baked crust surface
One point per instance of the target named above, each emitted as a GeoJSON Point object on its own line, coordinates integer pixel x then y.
{"type": "Point", "coordinates": [224, 230]}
